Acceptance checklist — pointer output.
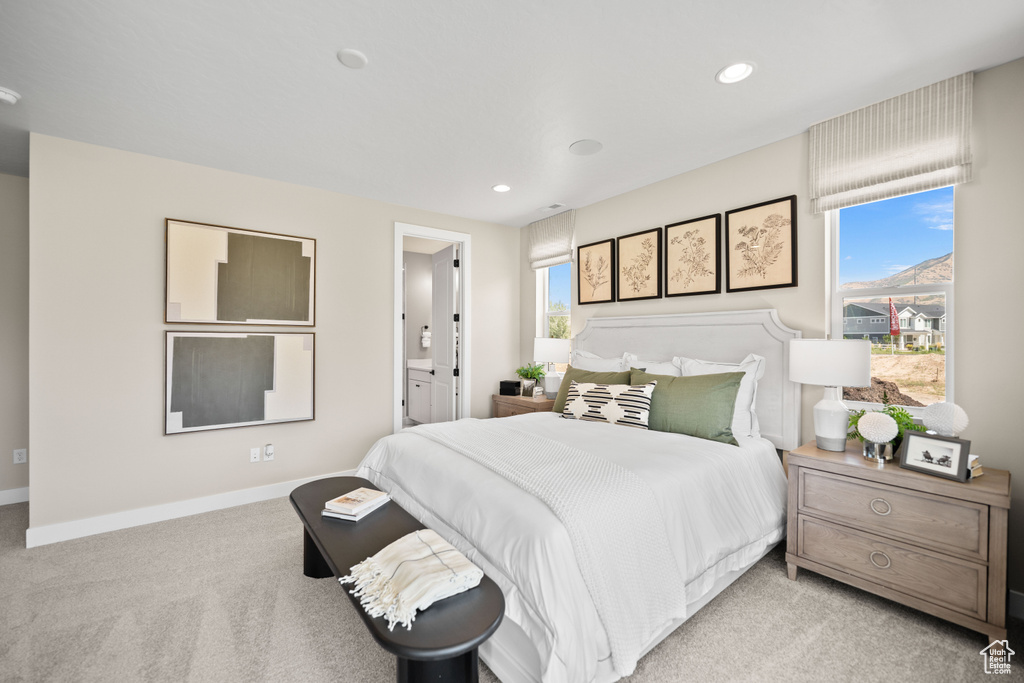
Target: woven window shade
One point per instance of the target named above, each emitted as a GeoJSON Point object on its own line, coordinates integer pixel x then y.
{"type": "Point", "coordinates": [551, 240]}
{"type": "Point", "coordinates": [918, 141]}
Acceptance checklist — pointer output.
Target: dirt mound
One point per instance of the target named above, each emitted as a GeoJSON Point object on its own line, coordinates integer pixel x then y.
{"type": "Point", "coordinates": [873, 394]}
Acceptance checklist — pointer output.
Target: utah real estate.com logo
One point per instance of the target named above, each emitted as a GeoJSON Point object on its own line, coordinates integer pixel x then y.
{"type": "Point", "coordinates": [997, 657]}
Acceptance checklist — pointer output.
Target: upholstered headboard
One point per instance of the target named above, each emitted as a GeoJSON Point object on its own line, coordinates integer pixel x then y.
{"type": "Point", "coordinates": [727, 337]}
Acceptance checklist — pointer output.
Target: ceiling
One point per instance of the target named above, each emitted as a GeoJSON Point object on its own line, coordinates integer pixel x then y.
{"type": "Point", "coordinates": [461, 95]}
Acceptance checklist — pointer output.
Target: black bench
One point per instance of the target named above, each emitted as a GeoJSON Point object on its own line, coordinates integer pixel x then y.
{"type": "Point", "coordinates": [442, 644]}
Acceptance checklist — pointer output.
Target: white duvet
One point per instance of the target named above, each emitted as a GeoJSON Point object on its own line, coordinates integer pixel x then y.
{"type": "Point", "coordinates": [722, 506]}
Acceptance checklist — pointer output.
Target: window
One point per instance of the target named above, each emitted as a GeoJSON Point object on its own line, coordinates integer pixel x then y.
{"type": "Point", "coordinates": [899, 248]}
{"type": "Point", "coordinates": [553, 301]}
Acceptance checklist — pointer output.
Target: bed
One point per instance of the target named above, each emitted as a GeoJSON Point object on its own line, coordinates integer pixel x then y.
{"type": "Point", "coordinates": [592, 586]}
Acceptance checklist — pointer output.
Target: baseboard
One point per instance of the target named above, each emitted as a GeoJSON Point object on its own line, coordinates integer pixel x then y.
{"type": "Point", "coordinates": [65, 531]}
{"type": "Point", "coordinates": [10, 496]}
{"type": "Point", "coordinates": [1017, 605]}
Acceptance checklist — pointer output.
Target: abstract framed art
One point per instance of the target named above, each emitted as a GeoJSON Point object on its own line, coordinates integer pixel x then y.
{"type": "Point", "coordinates": [693, 252]}
{"type": "Point", "coordinates": [595, 272]}
{"type": "Point", "coordinates": [217, 274]}
{"type": "Point", "coordinates": [760, 246]}
{"type": "Point", "coordinates": [217, 380]}
{"type": "Point", "coordinates": [639, 259]}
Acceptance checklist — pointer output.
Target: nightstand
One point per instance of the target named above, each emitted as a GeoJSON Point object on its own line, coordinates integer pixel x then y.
{"type": "Point", "coordinates": [503, 406]}
{"type": "Point", "coordinates": [929, 543]}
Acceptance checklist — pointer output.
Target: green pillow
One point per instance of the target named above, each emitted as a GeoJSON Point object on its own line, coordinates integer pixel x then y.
{"type": "Point", "coordinates": [699, 405]}
{"type": "Point", "coordinates": [586, 376]}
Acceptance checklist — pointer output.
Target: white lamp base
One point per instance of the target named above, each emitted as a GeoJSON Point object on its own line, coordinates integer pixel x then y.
{"type": "Point", "coordinates": [831, 421]}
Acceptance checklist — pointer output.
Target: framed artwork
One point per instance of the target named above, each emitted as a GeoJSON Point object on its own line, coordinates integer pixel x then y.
{"type": "Point", "coordinates": [595, 272]}
{"type": "Point", "coordinates": [639, 258]}
{"type": "Point", "coordinates": [693, 252]}
{"type": "Point", "coordinates": [941, 456]}
{"type": "Point", "coordinates": [216, 380]}
{"type": "Point", "coordinates": [232, 276]}
{"type": "Point", "coordinates": [760, 246]}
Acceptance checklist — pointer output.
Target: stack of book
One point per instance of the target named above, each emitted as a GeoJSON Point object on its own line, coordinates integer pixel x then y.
{"type": "Point", "coordinates": [974, 467]}
{"type": "Point", "coordinates": [354, 505]}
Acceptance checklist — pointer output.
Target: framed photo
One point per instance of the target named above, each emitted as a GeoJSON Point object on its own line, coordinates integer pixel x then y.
{"type": "Point", "coordinates": [639, 258]}
{"type": "Point", "coordinates": [238, 277]}
{"type": "Point", "coordinates": [760, 246]}
{"type": "Point", "coordinates": [595, 272]}
{"type": "Point", "coordinates": [216, 380]}
{"type": "Point", "coordinates": [941, 456]}
{"type": "Point", "coordinates": [693, 250]}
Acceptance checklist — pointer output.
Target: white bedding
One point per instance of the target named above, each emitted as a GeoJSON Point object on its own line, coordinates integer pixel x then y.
{"type": "Point", "coordinates": [716, 499]}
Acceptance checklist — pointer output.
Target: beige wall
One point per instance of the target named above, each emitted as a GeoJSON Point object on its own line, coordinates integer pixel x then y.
{"type": "Point", "coordinates": [13, 329]}
{"type": "Point", "coordinates": [989, 243]}
{"type": "Point", "coordinates": [97, 342]}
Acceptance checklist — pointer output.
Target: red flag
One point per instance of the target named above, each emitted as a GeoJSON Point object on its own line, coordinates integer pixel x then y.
{"type": "Point", "coordinates": [894, 320]}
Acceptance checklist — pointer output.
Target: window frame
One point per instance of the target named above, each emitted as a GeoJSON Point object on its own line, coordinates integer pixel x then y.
{"type": "Point", "coordinates": [836, 296]}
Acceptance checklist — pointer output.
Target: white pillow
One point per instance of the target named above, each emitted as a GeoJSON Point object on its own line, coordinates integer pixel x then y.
{"type": "Point", "coordinates": [654, 367]}
{"type": "Point", "coordinates": [584, 360]}
{"type": "Point", "coordinates": [618, 404]}
{"type": "Point", "coordinates": [744, 419]}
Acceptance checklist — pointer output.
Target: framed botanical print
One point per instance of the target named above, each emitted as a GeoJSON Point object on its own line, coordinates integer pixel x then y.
{"type": "Point", "coordinates": [693, 252]}
{"type": "Point", "coordinates": [639, 259]}
{"type": "Point", "coordinates": [760, 246]}
{"type": "Point", "coordinates": [595, 272]}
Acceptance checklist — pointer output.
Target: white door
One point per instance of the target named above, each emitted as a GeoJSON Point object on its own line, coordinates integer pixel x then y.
{"type": "Point", "coordinates": [444, 336]}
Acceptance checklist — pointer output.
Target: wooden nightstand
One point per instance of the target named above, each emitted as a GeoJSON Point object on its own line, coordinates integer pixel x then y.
{"type": "Point", "coordinates": [503, 406]}
{"type": "Point", "coordinates": [929, 543]}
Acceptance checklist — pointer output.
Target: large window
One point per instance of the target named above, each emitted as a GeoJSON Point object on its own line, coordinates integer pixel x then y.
{"type": "Point", "coordinates": [898, 249]}
{"type": "Point", "coordinates": [553, 288]}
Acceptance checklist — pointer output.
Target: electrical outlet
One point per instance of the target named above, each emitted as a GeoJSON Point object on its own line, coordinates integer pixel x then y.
{"type": "Point", "coordinates": [20, 456]}
{"type": "Point", "coordinates": [254, 454]}
{"type": "Point", "coordinates": [268, 452]}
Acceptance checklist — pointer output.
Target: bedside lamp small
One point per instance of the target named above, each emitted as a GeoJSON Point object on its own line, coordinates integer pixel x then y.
{"type": "Point", "coordinates": [550, 351]}
{"type": "Point", "coordinates": [831, 363]}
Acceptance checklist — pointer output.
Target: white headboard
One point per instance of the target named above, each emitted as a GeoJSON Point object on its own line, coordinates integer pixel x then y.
{"type": "Point", "coordinates": [727, 337]}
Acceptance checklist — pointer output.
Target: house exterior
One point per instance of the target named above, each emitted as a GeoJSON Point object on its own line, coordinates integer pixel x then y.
{"type": "Point", "coordinates": [921, 325]}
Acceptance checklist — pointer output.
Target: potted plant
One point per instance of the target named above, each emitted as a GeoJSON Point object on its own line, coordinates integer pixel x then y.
{"type": "Point", "coordinates": [904, 422]}
{"type": "Point", "coordinates": [530, 374]}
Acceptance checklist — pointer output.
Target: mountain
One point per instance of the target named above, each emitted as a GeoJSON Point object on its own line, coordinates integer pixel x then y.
{"type": "Point", "coordinates": [938, 269]}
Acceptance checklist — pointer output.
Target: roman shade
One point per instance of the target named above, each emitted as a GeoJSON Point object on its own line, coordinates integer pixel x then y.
{"type": "Point", "coordinates": [914, 142]}
{"type": "Point", "coordinates": [551, 240]}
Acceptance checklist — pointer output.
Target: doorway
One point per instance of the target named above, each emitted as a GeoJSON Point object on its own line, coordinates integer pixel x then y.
{"type": "Point", "coordinates": [431, 369]}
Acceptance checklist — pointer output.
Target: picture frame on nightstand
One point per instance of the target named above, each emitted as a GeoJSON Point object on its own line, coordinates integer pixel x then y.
{"type": "Point", "coordinates": [939, 456]}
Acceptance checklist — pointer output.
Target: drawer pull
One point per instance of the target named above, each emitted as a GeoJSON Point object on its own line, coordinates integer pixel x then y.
{"type": "Point", "coordinates": [888, 508]}
{"type": "Point", "coordinates": [888, 562]}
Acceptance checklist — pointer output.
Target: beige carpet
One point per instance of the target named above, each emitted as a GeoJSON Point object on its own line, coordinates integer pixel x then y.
{"type": "Point", "coordinates": [221, 597]}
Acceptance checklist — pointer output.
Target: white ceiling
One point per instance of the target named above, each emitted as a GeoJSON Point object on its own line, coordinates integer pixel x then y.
{"type": "Point", "coordinates": [460, 95]}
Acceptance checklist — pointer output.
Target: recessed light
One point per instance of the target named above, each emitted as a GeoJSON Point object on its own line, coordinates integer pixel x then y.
{"type": "Point", "coordinates": [353, 59]}
{"type": "Point", "coordinates": [501, 188]}
{"type": "Point", "coordinates": [734, 73]}
{"type": "Point", "coordinates": [585, 148]}
{"type": "Point", "coordinates": [9, 96]}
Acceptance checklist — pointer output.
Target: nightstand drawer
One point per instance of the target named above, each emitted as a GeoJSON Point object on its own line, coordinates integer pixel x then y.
{"type": "Point", "coordinates": [944, 581]}
{"type": "Point", "coordinates": [944, 524]}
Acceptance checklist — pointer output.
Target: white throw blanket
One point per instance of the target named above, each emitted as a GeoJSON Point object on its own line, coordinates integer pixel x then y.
{"type": "Point", "coordinates": [411, 574]}
{"type": "Point", "coordinates": [610, 515]}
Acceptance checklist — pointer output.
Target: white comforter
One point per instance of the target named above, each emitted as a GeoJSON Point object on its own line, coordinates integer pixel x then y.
{"type": "Point", "coordinates": [722, 506]}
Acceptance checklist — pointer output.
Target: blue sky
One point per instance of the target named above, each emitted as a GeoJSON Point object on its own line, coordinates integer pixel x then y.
{"type": "Point", "coordinates": [882, 238]}
{"type": "Point", "coordinates": [558, 284]}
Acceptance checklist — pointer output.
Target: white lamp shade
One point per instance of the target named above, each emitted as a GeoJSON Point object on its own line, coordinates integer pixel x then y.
{"type": "Point", "coordinates": [830, 362]}
{"type": "Point", "coordinates": [546, 350]}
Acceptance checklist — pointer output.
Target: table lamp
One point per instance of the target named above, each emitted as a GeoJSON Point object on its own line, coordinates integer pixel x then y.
{"type": "Point", "coordinates": [549, 351]}
{"type": "Point", "coordinates": [831, 363]}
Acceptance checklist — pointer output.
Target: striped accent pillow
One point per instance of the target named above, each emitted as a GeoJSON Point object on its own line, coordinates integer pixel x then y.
{"type": "Point", "coordinates": [620, 404]}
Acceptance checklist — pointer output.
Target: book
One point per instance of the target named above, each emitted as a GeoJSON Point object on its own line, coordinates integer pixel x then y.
{"type": "Point", "coordinates": [974, 468]}
{"type": "Point", "coordinates": [354, 501]}
{"type": "Point", "coordinates": [333, 514]}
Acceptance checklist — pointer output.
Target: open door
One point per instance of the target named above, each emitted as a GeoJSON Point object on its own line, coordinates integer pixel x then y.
{"type": "Point", "coordinates": [444, 326]}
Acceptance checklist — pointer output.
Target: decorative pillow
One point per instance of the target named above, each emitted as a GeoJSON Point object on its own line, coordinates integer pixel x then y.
{"type": "Point", "coordinates": [744, 419]}
{"type": "Point", "coordinates": [618, 404]}
{"type": "Point", "coordinates": [585, 376]}
{"type": "Point", "coordinates": [701, 405]}
{"type": "Point", "coordinates": [655, 367]}
{"type": "Point", "coordinates": [584, 360]}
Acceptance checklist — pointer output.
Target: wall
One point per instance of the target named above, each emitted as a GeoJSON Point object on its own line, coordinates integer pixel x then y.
{"type": "Point", "coordinates": [419, 276]}
{"type": "Point", "coordinates": [989, 242]}
{"type": "Point", "coordinates": [13, 335]}
{"type": "Point", "coordinates": [97, 338]}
